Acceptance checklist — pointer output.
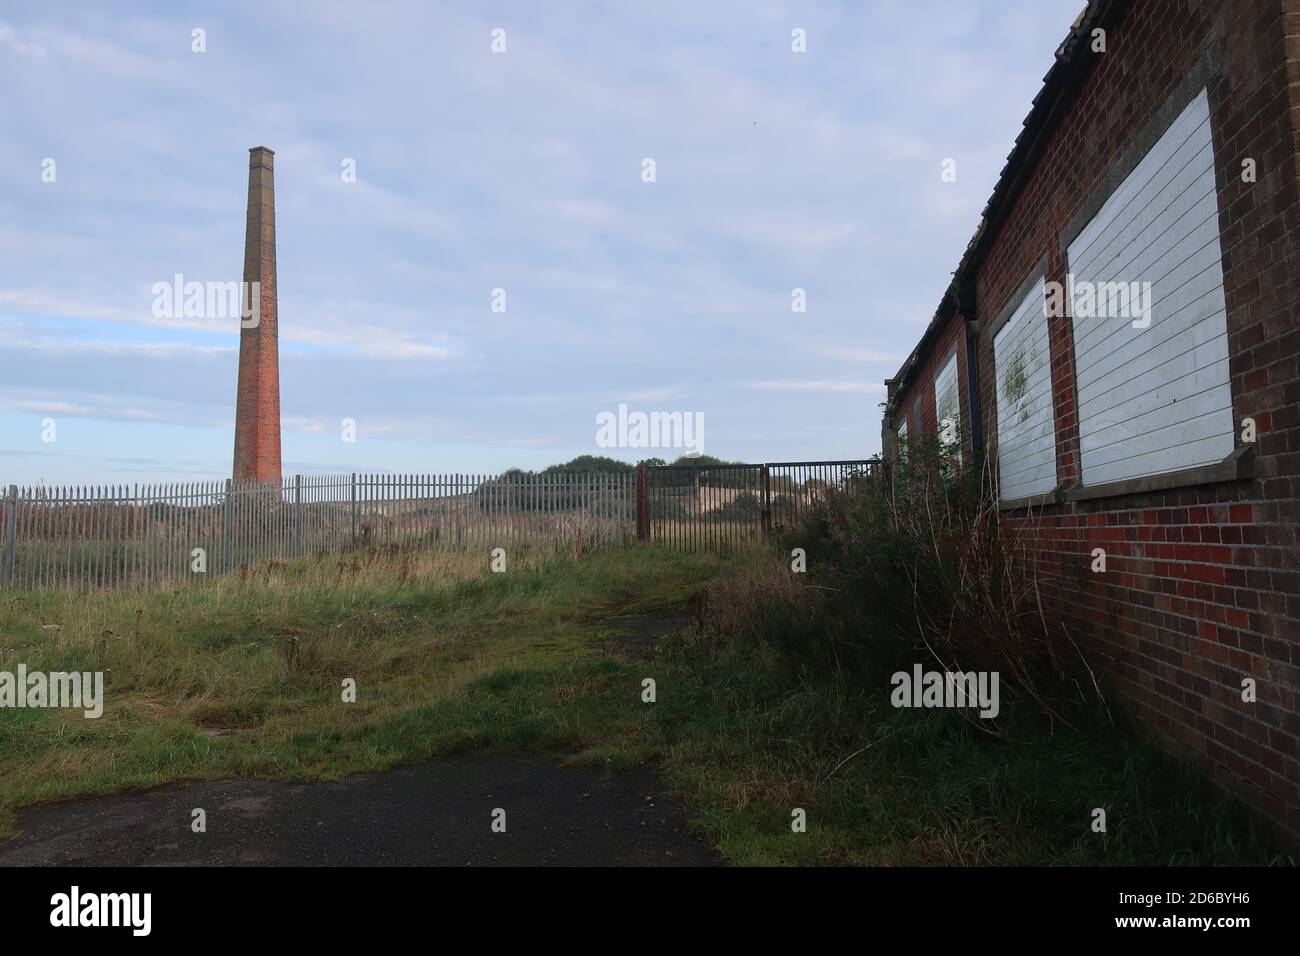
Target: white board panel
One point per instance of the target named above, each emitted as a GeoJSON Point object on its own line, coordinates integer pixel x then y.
{"type": "Point", "coordinates": [1155, 169]}
{"type": "Point", "coordinates": [1199, 327]}
{"type": "Point", "coordinates": [947, 399]}
{"type": "Point", "coordinates": [1026, 424]}
{"type": "Point", "coordinates": [1155, 399]}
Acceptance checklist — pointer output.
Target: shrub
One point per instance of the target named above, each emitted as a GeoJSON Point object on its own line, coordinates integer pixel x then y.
{"type": "Point", "coordinates": [917, 565]}
{"type": "Point", "coordinates": [745, 506]}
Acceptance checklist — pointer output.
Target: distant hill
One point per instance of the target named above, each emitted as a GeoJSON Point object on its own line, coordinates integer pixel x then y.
{"type": "Point", "coordinates": [603, 465]}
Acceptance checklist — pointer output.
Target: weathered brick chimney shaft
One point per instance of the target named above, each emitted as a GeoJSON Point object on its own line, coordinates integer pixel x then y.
{"type": "Point", "coordinates": [257, 404]}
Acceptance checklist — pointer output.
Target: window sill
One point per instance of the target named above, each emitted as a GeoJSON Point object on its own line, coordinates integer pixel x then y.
{"type": "Point", "coordinates": [1238, 465]}
{"type": "Point", "coordinates": [1053, 497]}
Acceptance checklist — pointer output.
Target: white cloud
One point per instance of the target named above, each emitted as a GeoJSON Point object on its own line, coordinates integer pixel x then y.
{"type": "Point", "coordinates": [874, 356]}
{"type": "Point", "coordinates": [821, 386]}
{"type": "Point", "coordinates": [9, 39]}
{"type": "Point", "coordinates": [371, 341]}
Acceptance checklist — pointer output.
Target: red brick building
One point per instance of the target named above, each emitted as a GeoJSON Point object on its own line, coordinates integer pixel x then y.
{"type": "Point", "coordinates": [1121, 346]}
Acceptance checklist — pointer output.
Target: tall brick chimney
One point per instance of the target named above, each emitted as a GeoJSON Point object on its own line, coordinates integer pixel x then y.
{"type": "Point", "coordinates": [257, 404]}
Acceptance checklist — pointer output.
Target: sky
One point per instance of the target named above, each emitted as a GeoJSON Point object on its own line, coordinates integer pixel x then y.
{"type": "Point", "coordinates": [477, 169]}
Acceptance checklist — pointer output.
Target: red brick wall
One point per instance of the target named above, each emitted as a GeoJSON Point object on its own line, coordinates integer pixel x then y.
{"type": "Point", "coordinates": [1202, 587]}
{"type": "Point", "coordinates": [918, 402]}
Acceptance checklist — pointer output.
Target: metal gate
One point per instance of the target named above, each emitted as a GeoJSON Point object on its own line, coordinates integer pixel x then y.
{"type": "Point", "coordinates": [722, 507]}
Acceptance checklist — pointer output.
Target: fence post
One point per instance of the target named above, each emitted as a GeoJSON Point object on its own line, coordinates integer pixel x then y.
{"type": "Point", "coordinates": [11, 528]}
{"type": "Point", "coordinates": [297, 515]}
{"type": "Point", "coordinates": [642, 503]}
{"type": "Point", "coordinates": [354, 510]}
{"type": "Point", "coordinates": [227, 540]}
{"type": "Point", "coordinates": [766, 513]}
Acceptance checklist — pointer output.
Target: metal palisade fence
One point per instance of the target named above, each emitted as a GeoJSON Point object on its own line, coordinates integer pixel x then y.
{"type": "Point", "coordinates": [142, 536]}
{"type": "Point", "coordinates": [721, 507]}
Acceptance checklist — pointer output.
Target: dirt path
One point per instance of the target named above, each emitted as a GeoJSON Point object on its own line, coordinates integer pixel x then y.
{"type": "Point", "coordinates": [432, 814]}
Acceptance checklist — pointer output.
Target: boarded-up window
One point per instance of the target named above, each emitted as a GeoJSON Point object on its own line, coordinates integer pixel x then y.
{"type": "Point", "coordinates": [1022, 370]}
{"type": "Point", "coordinates": [947, 406]}
{"type": "Point", "coordinates": [1153, 388]}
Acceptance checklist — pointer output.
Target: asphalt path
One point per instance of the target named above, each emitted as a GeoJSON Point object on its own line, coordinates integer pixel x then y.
{"type": "Point", "coordinates": [439, 813]}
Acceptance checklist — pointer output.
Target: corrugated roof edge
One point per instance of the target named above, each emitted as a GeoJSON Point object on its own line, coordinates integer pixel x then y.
{"type": "Point", "coordinates": [1059, 83]}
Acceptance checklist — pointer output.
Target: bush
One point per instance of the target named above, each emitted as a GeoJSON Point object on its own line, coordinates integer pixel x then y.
{"type": "Point", "coordinates": [916, 565]}
{"type": "Point", "coordinates": [744, 507]}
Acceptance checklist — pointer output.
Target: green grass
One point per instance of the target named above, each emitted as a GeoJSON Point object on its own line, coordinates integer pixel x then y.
{"type": "Point", "coordinates": [242, 677]}
{"type": "Point", "coordinates": [900, 787]}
